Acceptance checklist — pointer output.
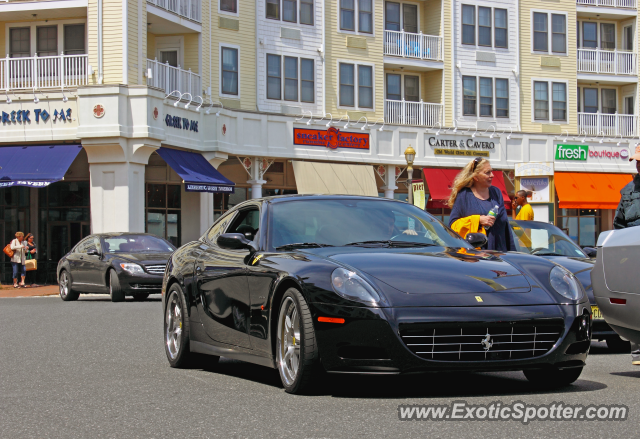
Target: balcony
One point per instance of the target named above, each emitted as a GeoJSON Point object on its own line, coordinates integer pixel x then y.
{"type": "Point", "coordinates": [38, 72]}
{"type": "Point", "coordinates": [595, 124]}
{"type": "Point", "coordinates": [170, 78]}
{"type": "Point", "coordinates": [420, 113]}
{"type": "Point", "coordinates": [414, 46]}
{"type": "Point", "coordinates": [189, 9]}
{"type": "Point", "coordinates": [627, 4]}
{"type": "Point", "coordinates": [607, 62]}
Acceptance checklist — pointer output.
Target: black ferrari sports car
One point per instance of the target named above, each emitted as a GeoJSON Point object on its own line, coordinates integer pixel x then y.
{"type": "Point", "coordinates": [354, 284]}
{"type": "Point", "coordinates": [548, 241]}
{"type": "Point", "coordinates": [121, 264]}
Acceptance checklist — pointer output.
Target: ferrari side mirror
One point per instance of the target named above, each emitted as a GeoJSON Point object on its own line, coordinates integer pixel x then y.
{"type": "Point", "coordinates": [233, 241]}
{"type": "Point", "coordinates": [476, 239]}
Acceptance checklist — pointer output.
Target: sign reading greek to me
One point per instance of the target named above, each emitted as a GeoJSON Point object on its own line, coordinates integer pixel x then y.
{"type": "Point", "coordinates": [330, 138]}
{"type": "Point", "coordinates": [24, 116]}
{"type": "Point", "coordinates": [572, 152]}
{"type": "Point", "coordinates": [189, 187]}
{"type": "Point", "coordinates": [181, 123]}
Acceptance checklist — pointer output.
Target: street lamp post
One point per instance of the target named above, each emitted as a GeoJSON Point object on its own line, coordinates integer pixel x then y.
{"type": "Point", "coordinates": [410, 154]}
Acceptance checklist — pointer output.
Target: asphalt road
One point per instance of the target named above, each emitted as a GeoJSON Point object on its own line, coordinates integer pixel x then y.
{"type": "Point", "coordinates": [93, 368]}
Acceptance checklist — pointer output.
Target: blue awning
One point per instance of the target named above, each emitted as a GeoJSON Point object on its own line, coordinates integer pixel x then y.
{"type": "Point", "coordinates": [196, 172]}
{"type": "Point", "coordinates": [35, 166]}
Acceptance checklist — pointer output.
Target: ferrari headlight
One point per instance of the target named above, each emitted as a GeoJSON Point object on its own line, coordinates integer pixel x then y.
{"type": "Point", "coordinates": [353, 287]}
{"type": "Point", "coordinates": [132, 268]}
{"type": "Point", "coordinates": [565, 283]}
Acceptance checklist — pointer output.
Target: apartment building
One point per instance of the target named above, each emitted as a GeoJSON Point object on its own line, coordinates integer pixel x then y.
{"type": "Point", "coordinates": [104, 102]}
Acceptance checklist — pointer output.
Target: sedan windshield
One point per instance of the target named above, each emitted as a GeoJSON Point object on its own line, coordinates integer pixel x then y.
{"type": "Point", "coordinates": [543, 239]}
{"type": "Point", "coordinates": [136, 244]}
{"type": "Point", "coordinates": [355, 222]}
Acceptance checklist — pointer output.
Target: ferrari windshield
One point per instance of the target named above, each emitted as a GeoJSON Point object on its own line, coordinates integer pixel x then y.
{"type": "Point", "coordinates": [136, 244]}
{"type": "Point", "coordinates": [543, 239]}
{"type": "Point", "coordinates": [341, 221]}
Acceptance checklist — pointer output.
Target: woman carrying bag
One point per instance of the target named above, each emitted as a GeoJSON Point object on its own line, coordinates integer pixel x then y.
{"type": "Point", "coordinates": [31, 264]}
{"type": "Point", "coordinates": [18, 260]}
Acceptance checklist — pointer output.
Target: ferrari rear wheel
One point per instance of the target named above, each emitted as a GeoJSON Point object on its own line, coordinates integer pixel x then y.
{"type": "Point", "coordinates": [553, 377]}
{"type": "Point", "coordinates": [297, 350]}
{"type": "Point", "coordinates": [66, 291]}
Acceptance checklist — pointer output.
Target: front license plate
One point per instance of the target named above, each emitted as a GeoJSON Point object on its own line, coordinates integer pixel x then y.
{"type": "Point", "coordinates": [595, 313]}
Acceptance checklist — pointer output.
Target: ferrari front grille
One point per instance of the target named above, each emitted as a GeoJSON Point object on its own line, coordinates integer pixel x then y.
{"type": "Point", "coordinates": [155, 269]}
{"type": "Point", "coordinates": [481, 341]}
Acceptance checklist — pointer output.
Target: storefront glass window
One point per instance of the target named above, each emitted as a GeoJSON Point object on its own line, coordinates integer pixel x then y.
{"type": "Point", "coordinates": [582, 225]}
{"type": "Point", "coordinates": [163, 211]}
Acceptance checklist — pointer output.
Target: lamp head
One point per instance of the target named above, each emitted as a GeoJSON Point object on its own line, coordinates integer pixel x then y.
{"type": "Point", "coordinates": [409, 155]}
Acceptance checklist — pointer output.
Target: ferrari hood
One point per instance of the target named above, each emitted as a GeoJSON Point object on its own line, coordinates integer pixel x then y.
{"type": "Point", "coordinates": [446, 272]}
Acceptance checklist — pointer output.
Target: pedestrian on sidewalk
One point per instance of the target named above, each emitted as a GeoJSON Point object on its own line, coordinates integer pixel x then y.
{"type": "Point", "coordinates": [525, 212]}
{"type": "Point", "coordinates": [31, 254]}
{"type": "Point", "coordinates": [18, 260]}
{"type": "Point", "coordinates": [628, 212]}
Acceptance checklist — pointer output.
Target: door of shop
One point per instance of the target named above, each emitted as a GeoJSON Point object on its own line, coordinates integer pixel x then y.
{"type": "Point", "coordinates": [62, 236]}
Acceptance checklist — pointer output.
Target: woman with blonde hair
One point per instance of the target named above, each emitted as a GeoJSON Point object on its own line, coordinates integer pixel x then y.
{"type": "Point", "coordinates": [18, 260]}
{"type": "Point", "coordinates": [471, 199]}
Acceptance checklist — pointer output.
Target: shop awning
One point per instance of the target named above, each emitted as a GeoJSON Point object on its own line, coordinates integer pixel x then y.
{"type": "Point", "coordinates": [581, 190]}
{"type": "Point", "coordinates": [440, 182]}
{"type": "Point", "coordinates": [196, 172]}
{"type": "Point", "coordinates": [35, 166]}
{"type": "Point", "coordinates": [334, 178]}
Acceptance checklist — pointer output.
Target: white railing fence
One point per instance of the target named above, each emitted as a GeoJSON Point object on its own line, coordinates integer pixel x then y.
{"type": "Point", "coordinates": [631, 4]}
{"type": "Point", "coordinates": [170, 78]}
{"type": "Point", "coordinates": [44, 72]}
{"type": "Point", "coordinates": [614, 62]}
{"type": "Point", "coordinates": [594, 124]}
{"type": "Point", "coordinates": [409, 45]}
{"type": "Point", "coordinates": [191, 9]}
{"type": "Point", "coordinates": [420, 113]}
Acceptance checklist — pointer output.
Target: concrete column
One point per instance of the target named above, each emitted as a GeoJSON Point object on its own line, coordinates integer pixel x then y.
{"type": "Point", "coordinates": [256, 181]}
{"type": "Point", "coordinates": [390, 181]}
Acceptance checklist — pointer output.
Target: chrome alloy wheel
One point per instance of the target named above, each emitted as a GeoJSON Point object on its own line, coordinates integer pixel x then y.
{"type": "Point", "coordinates": [289, 341]}
{"type": "Point", "coordinates": [173, 331]}
{"type": "Point", "coordinates": [64, 284]}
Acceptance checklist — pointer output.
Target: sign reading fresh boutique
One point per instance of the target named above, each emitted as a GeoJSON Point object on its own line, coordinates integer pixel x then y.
{"type": "Point", "coordinates": [330, 138]}
{"type": "Point", "coordinates": [572, 152]}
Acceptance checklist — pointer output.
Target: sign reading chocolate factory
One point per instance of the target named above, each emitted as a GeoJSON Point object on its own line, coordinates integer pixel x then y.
{"type": "Point", "coordinates": [330, 138]}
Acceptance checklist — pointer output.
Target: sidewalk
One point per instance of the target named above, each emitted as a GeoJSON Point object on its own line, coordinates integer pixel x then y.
{"type": "Point", "coordinates": [9, 291]}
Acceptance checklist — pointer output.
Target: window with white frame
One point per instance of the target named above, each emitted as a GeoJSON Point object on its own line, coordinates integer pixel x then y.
{"type": "Point", "coordinates": [229, 6]}
{"type": "Point", "coordinates": [550, 101]}
{"type": "Point", "coordinates": [291, 11]}
{"type": "Point", "coordinates": [297, 75]}
{"type": "Point", "coordinates": [50, 40]}
{"type": "Point", "coordinates": [592, 36]}
{"type": "Point", "coordinates": [491, 29]}
{"type": "Point", "coordinates": [401, 17]}
{"type": "Point", "coordinates": [402, 87]}
{"type": "Point", "coordinates": [229, 71]}
{"type": "Point", "coordinates": [19, 42]}
{"type": "Point", "coordinates": [549, 32]}
{"type": "Point", "coordinates": [356, 85]}
{"type": "Point", "coordinates": [493, 94]}
{"type": "Point", "coordinates": [356, 16]}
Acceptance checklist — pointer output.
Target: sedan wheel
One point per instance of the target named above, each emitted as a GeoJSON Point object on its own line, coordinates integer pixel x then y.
{"type": "Point", "coordinates": [297, 354]}
{"type": "Point", "coordinates": [173, 327]}
{"type": "Point", "coordinates": [66, 292]}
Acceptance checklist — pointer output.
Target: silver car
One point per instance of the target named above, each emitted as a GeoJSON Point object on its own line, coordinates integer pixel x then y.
{"type": "Point", "coordinates": [616, 282]}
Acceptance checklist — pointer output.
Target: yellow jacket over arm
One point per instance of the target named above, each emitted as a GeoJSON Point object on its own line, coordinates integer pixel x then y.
{"type": "Point", "coordinates": [468, 224]}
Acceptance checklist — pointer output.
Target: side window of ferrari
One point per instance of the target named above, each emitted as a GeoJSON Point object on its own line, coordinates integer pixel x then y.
{"type": "Point", "coordinates": [247, 222]}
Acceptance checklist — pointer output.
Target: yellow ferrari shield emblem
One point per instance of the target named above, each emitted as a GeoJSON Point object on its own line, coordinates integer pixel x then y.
{"type": "Point", "coordinates": [479, 299]}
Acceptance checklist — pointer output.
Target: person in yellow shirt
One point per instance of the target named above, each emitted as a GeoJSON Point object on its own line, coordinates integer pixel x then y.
{"type": "Point", "coordinates": [526, 211]}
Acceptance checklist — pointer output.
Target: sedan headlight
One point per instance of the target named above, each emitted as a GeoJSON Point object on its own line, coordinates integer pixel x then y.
{"type": "Point", "coordinates": [132, 268]}
{"type": "Point", "coordinates": [565, 283]}
{"type": "Point", "coordinates": [353, 287]}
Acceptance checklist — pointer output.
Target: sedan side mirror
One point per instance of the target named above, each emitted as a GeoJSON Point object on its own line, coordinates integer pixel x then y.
{"type": "Point", "coordinates": [93, 252]}
{"type": "Point", "coordinates": [233, 241]}
{"type": "Point", "coordinates": [476, 239]}
{"type": "Point", "coordinates": [590, 251]}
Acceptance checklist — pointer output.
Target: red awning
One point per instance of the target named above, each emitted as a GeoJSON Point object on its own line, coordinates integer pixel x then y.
{"type": "Point", "coordinates": [440, 181]}
{"type": "Point", "coordinates": [581, 190]}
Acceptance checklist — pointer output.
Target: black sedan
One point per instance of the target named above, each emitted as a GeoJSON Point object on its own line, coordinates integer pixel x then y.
{"type": "Point", "coordinates": [121, 264]}
{"type": "Point", "coordinates": [548, 241]}
{"type": "Point", "coordinates": [367, 285]}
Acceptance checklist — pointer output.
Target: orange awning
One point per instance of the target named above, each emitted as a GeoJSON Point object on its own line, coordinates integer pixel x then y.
{"type": "Point", "coordinates": [581, 190]}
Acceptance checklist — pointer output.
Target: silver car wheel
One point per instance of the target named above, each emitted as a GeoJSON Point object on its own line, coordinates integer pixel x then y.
{"type": "Point", "coordinates": [173, 336]}
{"type": "Point", "coordinates": [64, 284]}
{"type": "Point", "coordinates": [289, 341]}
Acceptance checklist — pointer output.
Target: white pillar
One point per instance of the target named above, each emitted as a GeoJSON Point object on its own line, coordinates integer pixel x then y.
{"type": "Point", "coordinates": [390, 181]}
{"type": "Point", "coordinates": [256, 181]}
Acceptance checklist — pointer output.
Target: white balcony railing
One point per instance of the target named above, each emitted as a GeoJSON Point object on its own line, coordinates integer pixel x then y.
{"type": "Point", "coordinates": [610, 62]}
{"type": "Point", "coordinates": [630, 4]}
{"type": "Point", "coordinates": [420, 113]}
{"type": "Point", "coordinates": [170, 78]}
{"type": "Point", "coordinates": [191, 9]}
{"type": "Point", "coordinates": [417, 46]}
{"type": "Point", "coordinates": [44, 72]}
{"type": "Point", "coordinates": [594, 124]}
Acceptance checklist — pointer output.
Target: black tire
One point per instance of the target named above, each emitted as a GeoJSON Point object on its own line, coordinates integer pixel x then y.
{"type": "Point", "coordinates": [553, 377]}
{"type": "Point", "coordinates": [140, 297]}
{"type": "Point", "coordinates": [177, 331]}
{"type": "Point", "coordinates": [616, 344]}
{"type": "Point", "coordinates": [115, 291]}
{"type": "Point", "coordinates": [65, 286]}
{"type": "Point", "coordinates": [302, 379]}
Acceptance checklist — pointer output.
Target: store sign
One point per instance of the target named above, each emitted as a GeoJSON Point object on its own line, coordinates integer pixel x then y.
{"type": "Point", "coordinates": [461, 147]}
{"type": "Point", "coordinates": [208, 188]}
{"type": "Point", "coordinates": [533, 169]}
{"type": "Point", "coordinates": [539, 187]}
{"type": "Point", "coordinates": [181, 123]}
{"type": "Point", "coordinates": [24, 116]}
{"type": "Point", "coordinates": [572, 152]}
{"type": "Point", "coordinates": [330, 138]}
{"type": "Point", "coordinates": [419, 198]}
{"type": "Point", "coordinates": [612, 154]}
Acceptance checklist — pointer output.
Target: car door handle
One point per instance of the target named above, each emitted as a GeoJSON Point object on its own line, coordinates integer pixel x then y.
{"type": "Point", "coordinates": [81, 257]}
{"type": "Point", "coordinates": [198, 269]}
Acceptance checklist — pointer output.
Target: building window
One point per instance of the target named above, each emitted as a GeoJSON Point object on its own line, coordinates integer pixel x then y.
{"type": "Point", "coordinates": [163, 211]}
{"type": "Point", "coordinates": [502, 98]}
{"type": "Point", "coordinates": [469, 95]}
{"type": "Point", "coordinates": [289, 12]}
{"type": "Point", "coordinates": [47, 40]}
{"type": "Point", "coordinates": [559, 33]}
{"type": "Point", "coordinates": [607, 36]}
{"type": "Point", "coordinates": [347, 15]}
{"type": "Point", "coordinates": [20, 42]}
{"type": "Point", "coordinates": [541, 100]}
{"type": "Point", "coordinates": [590, 100]}
{"type": "Point", "coordinates": [364, 15]}
{"type": "Point", "coordinates": [609, 101]}
{"type": "Point", "coordinates": [559, 101]}
{"type": "Point", "coordinates": [274, 77]}
{"type": "Point", "coordinates": [394, 87]}
{"type": "Point", "coordinates": [500, 20]}
{"type": "Point", "coordinates": [543, 39]}
{"type": "Point", "coordinates": [307, 81]}
{"type": "Point", "coordinates": [74, 39]}
{"type": "Point", "coordinates": [411, 88]}
{"type": "Point", "coordinates": [290, 78]}
{"type": "Point", "coordinates": [484, 26]}
{"type": "Point", "coordinates": [468, 25]}
{"type": "Point", "coordinates": [365, 86]}
{"type": "Point", "coordinates": [306, 12]}
{"type": "Point", "coordinates": [229, 71]}
{"type": "Point", "coordinates": [589, 35]}
{"type": "Point", "coordinates": [348, 86]}
{"type": "Point", "coordinates": [273, 9]}
{"type": "Point", "coordinates": [540, 38]}
{"type": "Point", "coordinates": [392, 16]}
{"type": "Point", "coordinates": [486, 97]}
{"type": "Point", "coordinates": [229, 6]}
{"type": "Point", "coordinates": [544, 91]}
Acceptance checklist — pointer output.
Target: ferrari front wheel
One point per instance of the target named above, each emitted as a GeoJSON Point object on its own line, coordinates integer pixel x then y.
{"type": "Point", "coordinates": [297, 350]}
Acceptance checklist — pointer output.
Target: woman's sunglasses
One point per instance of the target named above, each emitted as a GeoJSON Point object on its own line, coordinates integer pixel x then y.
{"type": "Point", "coordinates": [475, 163]}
